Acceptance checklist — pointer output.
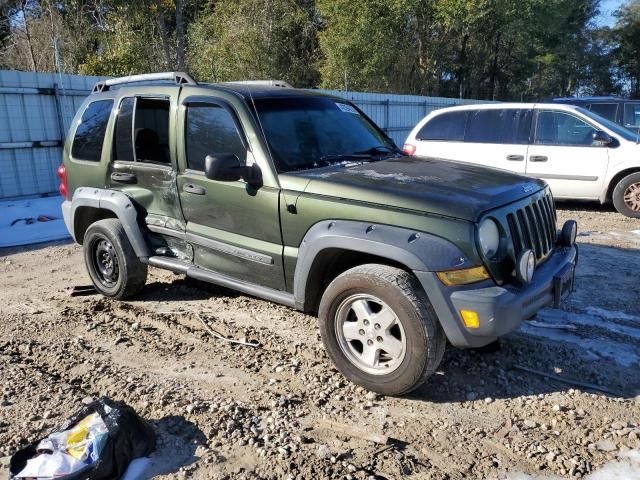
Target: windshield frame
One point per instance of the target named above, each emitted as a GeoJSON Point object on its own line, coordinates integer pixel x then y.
{"type": "Point", "coordinates": [616, 128]}
{"type": "Point", "coordinates": [348, 157]}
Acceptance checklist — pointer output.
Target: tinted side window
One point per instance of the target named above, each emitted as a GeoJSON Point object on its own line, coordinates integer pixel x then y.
{"type": "Point", "coordinates": [123, 143]}
{"type": "Point", "coordinates": [559, 128]}
{"type": "Point", "coordinates": [606, 110]}
{"type": "Point", "coordinates": [447, 126]}
{"type": "Point", "coordinates": [509, 126]}
{"type": "Point", "coordinates": [87, 143]}
{"type": "Point", "coordinates": [632, 115]}
{"type": "Point", "coordinates": [211, 129]}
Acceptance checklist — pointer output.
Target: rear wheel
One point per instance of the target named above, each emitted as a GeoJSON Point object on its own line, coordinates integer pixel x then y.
{"type": "Point", "coordinates": [113, 266]}
{"type": "Point", "coordinates": [380, 329]}
{"type": "Point", "coordinates": [626, 195]}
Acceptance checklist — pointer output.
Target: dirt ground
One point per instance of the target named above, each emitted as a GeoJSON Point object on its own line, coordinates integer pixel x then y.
{"type": "Point", "coordinates": [559, 398]}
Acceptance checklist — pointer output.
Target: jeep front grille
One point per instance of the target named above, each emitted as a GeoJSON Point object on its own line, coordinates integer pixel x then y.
{"type": "Point", "coordinates": [534, 227]}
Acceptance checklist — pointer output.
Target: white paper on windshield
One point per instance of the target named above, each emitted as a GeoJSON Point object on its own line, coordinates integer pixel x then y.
{"type": "Point", "coordinates": [346, 108]}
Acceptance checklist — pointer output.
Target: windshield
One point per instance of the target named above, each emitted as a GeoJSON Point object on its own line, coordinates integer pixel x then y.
{"type": "Point", "coordinates": [614, 127]}
{"type": "Point", "coordinates": [311, 132]}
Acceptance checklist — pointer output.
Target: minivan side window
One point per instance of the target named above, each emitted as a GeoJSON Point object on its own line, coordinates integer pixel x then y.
{"type": "Point", "coordinates": [502, 126]}
{"type": "Point", "coordinates": [632, 115]}
{"type": "Point", "coordinates": [89, 137]}
{"type": "Point", "coordinates": [446, 126]}
{"type": "Point", "coordinates": [142, 130]}
{"type": "Point", "coordinates": [606, 110]}
{"type": "Point", "coordinates": [560, 128]}
{"type": "Point", "coordinates": [211, 129]}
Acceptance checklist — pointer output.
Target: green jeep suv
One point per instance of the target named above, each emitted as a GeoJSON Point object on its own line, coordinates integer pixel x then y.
{"type": "Point", "coordinates": [298, 198]}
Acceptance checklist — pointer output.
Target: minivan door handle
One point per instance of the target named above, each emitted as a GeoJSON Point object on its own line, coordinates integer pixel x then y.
{"type": "Point", "coordinates": [123, 177]}
{"type": "Point", "coordinates": [538, 158]}
{"type": "Point", "coordinates": [515, 158]}
{"type": "Point", "coordinates": [194, 189]}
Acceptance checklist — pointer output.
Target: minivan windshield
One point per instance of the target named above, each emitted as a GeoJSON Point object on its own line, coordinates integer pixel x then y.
{"type": "Point", "coordinates": [614, 127]}
{"type": "Point", "coordinates": [312, 132]}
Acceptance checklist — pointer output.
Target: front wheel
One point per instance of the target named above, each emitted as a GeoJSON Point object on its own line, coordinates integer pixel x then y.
{"type": "Point", "coordinates": [380, 330]}
{"type": "Point", "coordinates": [113, 266]}
{"type": "Point", "coordinates": [626, 196]}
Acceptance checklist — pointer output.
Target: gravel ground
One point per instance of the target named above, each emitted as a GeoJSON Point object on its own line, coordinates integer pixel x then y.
{"type": "Point", "coordinates": [280, 410]}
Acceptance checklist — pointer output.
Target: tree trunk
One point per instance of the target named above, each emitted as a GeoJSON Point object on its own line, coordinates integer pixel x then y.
{"type": "Point", "coordinates": [32, 56]}
{"type": "Point", "coordinates": [462, 58]}
{"type": "Point", "coordinates": [494, 68]}
{"type": "Point", "coordinates": [164, 37]}
{"type": "Point", "coordinates": [180, 38]}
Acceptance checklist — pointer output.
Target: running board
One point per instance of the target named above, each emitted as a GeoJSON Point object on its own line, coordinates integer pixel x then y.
{"type": "Point", "coordinates": [205, 275]}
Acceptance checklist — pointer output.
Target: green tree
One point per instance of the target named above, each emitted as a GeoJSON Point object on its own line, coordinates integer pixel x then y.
{"type": "Point", "coordinates": [627, 53]}
{"type": "Point", "coordinates": [254, 39]}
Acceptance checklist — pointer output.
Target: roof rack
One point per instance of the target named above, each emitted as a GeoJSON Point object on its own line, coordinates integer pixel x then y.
{"type": "Point", "coordinates": [180, 78]}
{"type": "Point", "coordinates": [267, 83]}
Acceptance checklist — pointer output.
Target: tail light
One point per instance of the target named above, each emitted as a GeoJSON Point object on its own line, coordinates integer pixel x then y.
{"type": "Point", "coordinates": [409, 149]}
{"type": "Point", "coordinates": [62, 175]}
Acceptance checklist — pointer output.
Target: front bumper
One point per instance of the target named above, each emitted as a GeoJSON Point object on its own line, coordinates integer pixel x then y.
{"type": "Point", "coordinates": [500, 309]}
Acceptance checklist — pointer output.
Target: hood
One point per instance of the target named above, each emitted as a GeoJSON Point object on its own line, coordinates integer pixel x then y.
{"type": "Point", "coordinates": [428, 185]}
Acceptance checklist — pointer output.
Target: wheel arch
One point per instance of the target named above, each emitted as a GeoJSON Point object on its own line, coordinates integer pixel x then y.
{"type": "Point", "coordinates": [93, 204]}
{"type": "Point", "coordinates": [616, 179]}
{"type": "Point", "coordinates": [331, 247]}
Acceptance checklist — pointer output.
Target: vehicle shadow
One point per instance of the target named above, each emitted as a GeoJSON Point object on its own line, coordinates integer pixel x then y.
{"type": "Point", "coordinates": [585, 206]}
{"type": "Point", "coordinates": [182, 289]}
{"type": "Point", "coordinates": [176, 442]}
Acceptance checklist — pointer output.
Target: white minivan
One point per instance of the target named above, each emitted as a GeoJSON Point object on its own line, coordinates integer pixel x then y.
{"type": "Point", "coordinates": [580, 154]}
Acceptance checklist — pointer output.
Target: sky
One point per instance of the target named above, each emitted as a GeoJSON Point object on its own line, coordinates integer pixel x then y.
{"type": "Point", "coordinates": [607, 7]}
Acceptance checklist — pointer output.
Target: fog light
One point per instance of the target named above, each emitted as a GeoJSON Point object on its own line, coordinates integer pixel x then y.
{"type": "Point", "coordinates": [525, 266]}
{"type": "Point", "coordinates": [470, 318]}
{"type": "Point", "coordinates": [569, 233]}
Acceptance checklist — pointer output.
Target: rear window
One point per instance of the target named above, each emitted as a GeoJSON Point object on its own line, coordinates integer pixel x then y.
{"type": "Point", "coordinates": [606, 110]}
{"type": "Point", "coordinates": [508, 126]}
{"type": "Point", "coordinates": [446, 126]}
{"type": "Point", "coordinates": [87, 143]}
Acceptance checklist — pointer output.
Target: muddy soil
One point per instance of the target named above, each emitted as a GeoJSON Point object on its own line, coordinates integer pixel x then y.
{"type": "Point", "coordinates": [559, 397]}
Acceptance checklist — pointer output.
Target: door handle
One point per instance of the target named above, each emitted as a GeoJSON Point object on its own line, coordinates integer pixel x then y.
{"type": "Point", "coordinates": [515, 158]}
{"type": "Point", "coordinates": [538, 158]}
{"type": "Point", "coordinates": [194, 189]}
{"type": "Point", "coordinates": [123, 177]}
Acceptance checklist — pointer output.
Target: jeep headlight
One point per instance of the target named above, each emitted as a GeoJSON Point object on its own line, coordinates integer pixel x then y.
{"type": "Point", "coordinates": [489, 237]}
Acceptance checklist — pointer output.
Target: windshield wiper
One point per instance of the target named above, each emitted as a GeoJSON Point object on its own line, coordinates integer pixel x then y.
{"type": "Point", "coordinates": [381, 150]}
{"type": "Point", "coordinates": [362, 156]}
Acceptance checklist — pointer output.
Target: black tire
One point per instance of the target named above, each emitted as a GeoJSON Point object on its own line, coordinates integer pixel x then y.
{"type": "Point", "coordinates": [629, 186]}
{"type": "Point", "coordinates": [113, 266]}
{"type": "Point", "coordinates": [424, 342]}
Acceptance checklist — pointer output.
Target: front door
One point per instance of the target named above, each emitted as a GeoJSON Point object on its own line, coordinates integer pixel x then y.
{"type": "Point", "coordinates": [564, 154]}
{"type": "Point", "coordinates": [234, 228]}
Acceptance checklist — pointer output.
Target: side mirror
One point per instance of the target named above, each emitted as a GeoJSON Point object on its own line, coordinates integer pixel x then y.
{"type": "Point", "coordinates": [602, 138]}
{"type": "Point", "coordinates": [226, 167]}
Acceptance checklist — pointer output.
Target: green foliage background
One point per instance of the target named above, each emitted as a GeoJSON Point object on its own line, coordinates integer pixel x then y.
{"type": "Point", "coordinates": [487, 49]}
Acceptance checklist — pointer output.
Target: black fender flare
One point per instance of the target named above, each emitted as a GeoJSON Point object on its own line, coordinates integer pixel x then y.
{"type": "Point", "coordinates": [418, 251]}
{"type": "Point", "coordinates": [116, 202]}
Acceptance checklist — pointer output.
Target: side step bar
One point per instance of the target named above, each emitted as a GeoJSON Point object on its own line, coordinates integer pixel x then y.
{"type": "Point", "coordinates": [206, 275]}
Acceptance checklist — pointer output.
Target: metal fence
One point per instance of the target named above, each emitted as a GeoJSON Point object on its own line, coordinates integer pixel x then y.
{"type": "Point", "coordinates": [36, 110]}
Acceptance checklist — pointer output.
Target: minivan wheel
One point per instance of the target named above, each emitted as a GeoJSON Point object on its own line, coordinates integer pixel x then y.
{"type": "Point", "coordinates": [113, 266]}
{"type": "Point", "coordinates": [380, 330]}
{"type": "Point", "coordinates": [626, 196]}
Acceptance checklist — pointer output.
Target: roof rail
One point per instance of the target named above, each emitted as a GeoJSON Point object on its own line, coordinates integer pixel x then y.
{"type": "Point", "coordinates": [267, 83]}
{"type": "Point", "coordinates": [180, 78]}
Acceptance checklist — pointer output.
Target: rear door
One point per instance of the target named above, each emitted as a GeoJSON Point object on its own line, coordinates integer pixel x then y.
{"type": "Point", "coordinates": [234, 228]}
{"type": "Point", "coordinates": [143, 156]}
{"type": "Point", "coordinates": [498, 138]}
{"type": "Point", "coordinates": [563, 153]}
{"type": "Point", "coordinates": [495, 138]}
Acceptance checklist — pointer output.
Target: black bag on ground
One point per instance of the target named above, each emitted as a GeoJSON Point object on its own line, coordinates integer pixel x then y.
{"type": "Point", "coordinates": [128, 437]}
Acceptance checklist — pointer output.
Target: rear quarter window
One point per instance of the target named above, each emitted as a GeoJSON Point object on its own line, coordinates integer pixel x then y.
{"type": "Point", "coordinates": [446, 126]}
{"type": "Point", "coordinates": [89, 136]}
